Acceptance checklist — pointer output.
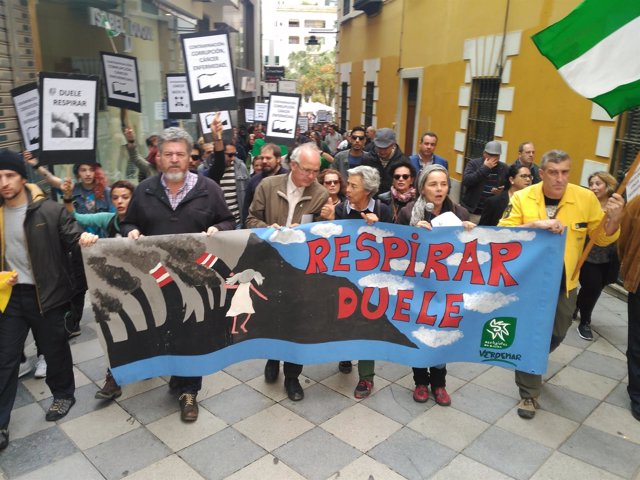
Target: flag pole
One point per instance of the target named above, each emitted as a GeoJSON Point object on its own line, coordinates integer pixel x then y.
{"type": "Point", "coordinates": [596, 232]}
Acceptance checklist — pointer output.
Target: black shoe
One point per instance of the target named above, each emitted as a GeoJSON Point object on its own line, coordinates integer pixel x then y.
{"type": "Point", "coordinates": [71, 326]}
{"type": "Point", "coordinates": [4, 438]}
{"type": "Point", "coordinates": [271, 371]}
{"type": "Point", "coordinates": [635, 413]}
{"type": "Point", "coordinates": [59, 408]}
{"type": "Point", "coordinates": [345, 366]}
{"type": "Point", "coordinates": [584, 330]}
{"type": "Point", "coordinates": [294, 389]}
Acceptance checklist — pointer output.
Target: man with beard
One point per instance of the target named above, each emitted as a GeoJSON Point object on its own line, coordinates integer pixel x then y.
{"type": "Point", "coordinates": [270, 159]}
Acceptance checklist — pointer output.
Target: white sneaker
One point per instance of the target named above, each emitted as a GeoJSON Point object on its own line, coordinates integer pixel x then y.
{"type": "Point", "coordinates": [41, 368]}
{"type": "Point", "coordinates": [25, 368]}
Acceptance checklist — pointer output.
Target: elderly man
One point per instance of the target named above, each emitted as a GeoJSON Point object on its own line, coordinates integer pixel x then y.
{"type": "Point", "coordinates": [177, 201]}
{"type": "Point", "coordinates": [526, 153]}
{"type": "Point", "coordinates": [556, 205]}
{"type": "Point", "coordinates": [36, 236]}
{"type": "Point", "coordinates": [385, 153]}
{"type": "Point", "coordinates": [285, 201]}
{"type": "Point", "coordinates": [629, 250]}
{"type": "Point", "coordinates": [483, 177]}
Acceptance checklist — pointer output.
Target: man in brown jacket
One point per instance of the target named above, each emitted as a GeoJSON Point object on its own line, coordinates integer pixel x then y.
{"type": "Point", "coordinates": [629, 251]}
{"type": "Point", "coordinates": [287, 201]}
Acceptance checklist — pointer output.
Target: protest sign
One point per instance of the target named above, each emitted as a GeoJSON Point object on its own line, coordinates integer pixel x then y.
{"type": "Point", "coordinates": [26, 101]}
{"type": "Point", "coordinates": [178, 101]}
{"type": "Point", "coordinates": [282, 118]}
{"type": "Point", "coordinates": [260, 114]}
{"type": "Point", "coordinates": [205, 120]}
{"type": "Point", "coordinates": [121, 81]}
{"type": "Point", "coordinates": [192, 304]}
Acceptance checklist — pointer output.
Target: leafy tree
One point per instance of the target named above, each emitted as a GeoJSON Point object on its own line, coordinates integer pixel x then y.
{"type": "Point", "coordinates": [315, 74]}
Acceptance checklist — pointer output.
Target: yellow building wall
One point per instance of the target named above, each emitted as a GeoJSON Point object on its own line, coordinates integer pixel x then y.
{"type": "Point", "coordinates": [431, 34]}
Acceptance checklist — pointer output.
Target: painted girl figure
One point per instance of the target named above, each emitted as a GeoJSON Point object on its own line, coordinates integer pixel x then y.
{"type": "Point", "coordinates": [241, 301]}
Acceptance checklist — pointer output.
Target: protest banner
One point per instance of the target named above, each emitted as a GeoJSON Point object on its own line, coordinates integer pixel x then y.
{"type": "Point", "coordinates": [192, 304]}
{"type": "Point", "coordinates": [121, 81]}
{"type": "Point", "coordinates": [68, 106]}
{"type": "Point", "coordinates": [209, 69]}
{"type": "Point", "coordinates": [178, 100]}
{"type": "Point", "coordinates": [282, 118]}
{"type": "Point", "coordinates": [26, 101]}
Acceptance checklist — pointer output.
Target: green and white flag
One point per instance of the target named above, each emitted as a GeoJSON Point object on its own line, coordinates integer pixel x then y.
{"type": "Point", "coordinates": [596, 49]}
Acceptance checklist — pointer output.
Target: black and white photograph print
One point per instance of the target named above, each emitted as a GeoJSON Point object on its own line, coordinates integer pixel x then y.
{"type": "Point", "coordinates": [69, 125]}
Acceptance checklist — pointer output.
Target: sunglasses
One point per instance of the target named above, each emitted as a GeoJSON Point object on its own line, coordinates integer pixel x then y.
{"type": "Point", "coordinates": [195, 157]}
{"type": "Point", "coordinates": [230, 154]}
{"type": "Point", "coordinates": [358, 137]}
{"type": "Point", "coordinates": [331, 182]}
{"type": "Point", "coordinates": [404, 176]}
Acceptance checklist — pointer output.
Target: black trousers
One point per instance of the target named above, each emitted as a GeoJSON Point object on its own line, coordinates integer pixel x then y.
{"type": "Point", "coordinates": [22, 313]}
{"type": "Point", "coordinates": [633, 350]}
{"type": "Point", "coordinates": [592, 277]}
{"type": "Point", "coordinates": [436, 376]}
{"type": "Point", "coordinates": [291, 370]}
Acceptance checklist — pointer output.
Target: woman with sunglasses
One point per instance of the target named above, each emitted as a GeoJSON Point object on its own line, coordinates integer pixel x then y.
{"type": "Point", "coordinates": [433, 188]}
{"type": "Point", "coordinates": [402, 191]}
{"type": "Point", "coordinates": [334, 183]}
{"type": "Point", "coordinates": [519, 177]}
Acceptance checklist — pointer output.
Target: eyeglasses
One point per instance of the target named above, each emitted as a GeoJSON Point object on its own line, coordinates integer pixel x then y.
{"type": "Point", "coordinates": [358, 137]}
{"type": "Point", "coordinates": [195, 157]}
{"type": "Point", "coordinates": [524, 175]}
{"type": "Point", "coordinates": [233, 154]}
{"type": "Point", "coordinates": [332, 182]}
{"type": "Point", "coordinates": [404, 176]}
{"type": "Point", "coordinates": [307, 171]}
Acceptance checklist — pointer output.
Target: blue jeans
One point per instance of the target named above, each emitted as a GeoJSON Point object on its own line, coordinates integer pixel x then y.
{"type": "Point", "coordinates": [22, 313]}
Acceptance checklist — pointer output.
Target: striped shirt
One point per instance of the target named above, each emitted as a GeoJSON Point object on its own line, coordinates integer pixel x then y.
{"type": "Point", "coordinates": [189, 182]}
{"type": "Point", "coordinates": [228, 185]}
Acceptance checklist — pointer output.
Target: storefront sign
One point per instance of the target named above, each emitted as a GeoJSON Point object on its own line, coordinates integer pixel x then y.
{"type": "Point", "coordinates": [178, 101]}
{"type": "Point", "coordinates": [68, 117]}
{"type": "Point", "coordinates": [26, 101]}
{"type": "Point", "coordinates": [121, 80]}
{"type": "Point", "coordinates": [282, 118]}
{"type": "Point", "coordinates": [191, 304]}
{"type": "Point", "coordinates": [209, 71]}
{"type": "Point", "coordinates": [119, 25]}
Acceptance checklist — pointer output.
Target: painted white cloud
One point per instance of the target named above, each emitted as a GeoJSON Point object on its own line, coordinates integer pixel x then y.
{"type": "Point", "coordinates": [485, 302]}
{"type": "Point", "coordinates": [456, 258]}
{"type": "Point", "coordinates": [287, 236]}
{"type": "Point", "coordinates": [437, 338]}
{"type": "Point", "coordinates": [378, 232]}
{"type": "Point", "coordinates": [489, 235]}
{"type": "Point", "coordinates": [386, 280]}
{"type": "Point", "coordinates": [326, 230]}
{"type": "Point", "coordinates": [401, 265]}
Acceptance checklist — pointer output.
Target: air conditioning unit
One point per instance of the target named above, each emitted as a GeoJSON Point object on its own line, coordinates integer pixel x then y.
{"type": "Point", "coordinates": [370, 7]}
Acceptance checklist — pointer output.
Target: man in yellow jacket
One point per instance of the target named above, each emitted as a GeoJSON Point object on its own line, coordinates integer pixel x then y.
{"type": "Point", "coordinates": [555, 205]}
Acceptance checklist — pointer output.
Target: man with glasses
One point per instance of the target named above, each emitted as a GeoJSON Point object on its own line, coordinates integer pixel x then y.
{"type": "Point", "coordinates": [426, 153]}
{"type": "Point", "coordinates": [385, 154]}
{"type": "Point", "coordinates": [285, 201]}
{"type": "Point", "coordinates": [556, 205]}
{"type": "Point", "coordinates": [354, 156]}
{"type": "Point", "coordinates": [526, 153]}
{"type": "Point", "coordinates": [233, 180]}
{"type": "Point", "coordinates": [178, 201]}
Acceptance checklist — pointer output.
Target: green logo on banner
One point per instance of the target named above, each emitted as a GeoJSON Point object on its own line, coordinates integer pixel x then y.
{"type": "Point", "coordinates": [498, 333]}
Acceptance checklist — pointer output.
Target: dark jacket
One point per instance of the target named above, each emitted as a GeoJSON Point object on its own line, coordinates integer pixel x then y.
{"type": "Point", "coordinates": [251, 190]}
{"type": "Point", "coordinates": [474, 178]}
{"type": "Point", "coordinates": [51, 233]}
{"type": "Point", "coordinates": [150, 211]}
{"type": "Point", "coordinates": [385, 172]}
{"type": "Point", "coordinates": [382, 211]}
{"type": "Point", "coordinates": [493, 209]}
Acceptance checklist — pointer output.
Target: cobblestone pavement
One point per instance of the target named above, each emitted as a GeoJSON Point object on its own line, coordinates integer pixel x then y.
{"type": "Point", "coordinates": [250, 430]}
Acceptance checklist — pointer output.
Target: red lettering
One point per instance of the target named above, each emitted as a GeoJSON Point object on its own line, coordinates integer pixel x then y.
{"type": "Point", "coordinates": [437, 253]}
{"type": "Point", "coordinates": [469, 263]}
{"type": "Point", "coordinates": [340, 254]}
{"type": "Point", "coordinates": [403, 303]}
{"type": "Point", "coordinates": [448, 319]}
{"type": "Point", "coordinates": [383, 303]}
{"type": "Point", "coordinates": [394, 247]}
{"type": "Point", "coordinates": [500, 254]}
{"type": "Point", "coordinates": [423, 317]}
{"type": "Point", "coordinates": [411, 268]}
{"type": "Point", "coordinates": [370, 263]}
{"type": "Point", "coordinates": [318, 251]}
{"type": "Point", "coordinates": [347, 302]}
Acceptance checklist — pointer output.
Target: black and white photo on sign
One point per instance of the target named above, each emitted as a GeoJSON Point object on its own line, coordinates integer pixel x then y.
{"type": "Point", "coordinates": [178, 100]}
{"type": "Point", "coordinates": [248, 115]}
{"type": "Point", "coordinates": [208, 66]}
{"type": "Point", "coordinates": [323, 116]}
{"type": "Point", "coordinates": [68, 113]}
{"type": "Point", "coordinates": [121, 80]}
{"type": "Point", "coordinates": [303, 123]}
{"type": "Point", "coordinates": [26, 101]}
{"type": "Point", "coordinates": [207, 118]}
{"type": "Point", "coordinates": [261, 110]}
{"type": "Point", "coordinates": [283, 115]}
